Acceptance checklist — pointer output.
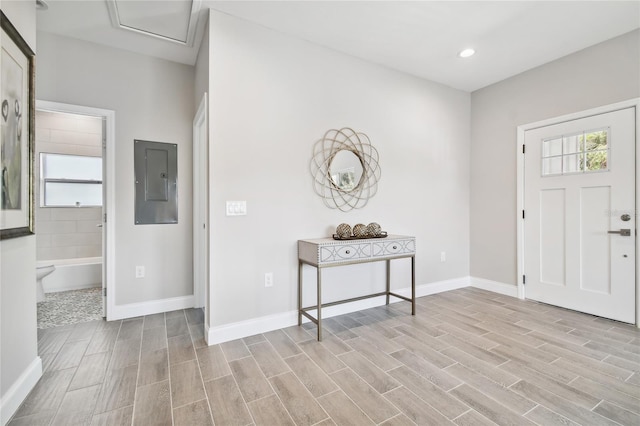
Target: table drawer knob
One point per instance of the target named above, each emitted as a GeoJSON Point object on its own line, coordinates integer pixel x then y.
{"type": "Point", "coordinates": [348, 252]}
{"type": "Point", "coordinates": [395, 247]}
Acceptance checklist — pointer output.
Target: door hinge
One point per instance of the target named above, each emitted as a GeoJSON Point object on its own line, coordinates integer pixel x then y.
{"type": "Point", "coordinates": [105, 218]}
{"type": "Point", "coordinates": [523, 148]}
{"type": "Point", "coordinates": [524, 279]}
{"type": "Point", "coordinates": [104, 292]}
{"type": "Point", "coordinates": [523, 214]}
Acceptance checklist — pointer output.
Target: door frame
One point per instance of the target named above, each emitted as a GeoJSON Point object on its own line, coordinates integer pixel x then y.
{"type": "Point", "coordinates": [109, 204]}
{"type": "Point", "coordinates": [200, 205]}
{"type": "Point", "coordinates": [520, 183]}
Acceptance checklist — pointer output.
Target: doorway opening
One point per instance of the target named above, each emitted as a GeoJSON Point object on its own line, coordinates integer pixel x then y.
{"type": "Point", "coordinates": [73, 197]}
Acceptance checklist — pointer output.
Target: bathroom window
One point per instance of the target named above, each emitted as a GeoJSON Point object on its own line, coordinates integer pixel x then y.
{"type": "Point", "coordinates": [70, 180]}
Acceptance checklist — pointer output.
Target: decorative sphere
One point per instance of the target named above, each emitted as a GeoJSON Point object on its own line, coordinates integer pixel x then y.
{"type": "Point", "coordinates": [343, 230]}
{"type": "Point", "coordinates": [373, 229]}
{"type": "Point", "coordinates": [360, 230]}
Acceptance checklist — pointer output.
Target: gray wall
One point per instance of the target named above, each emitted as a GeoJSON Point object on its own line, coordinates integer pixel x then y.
{"type": "Point", "coordinates": [272, 97]}
{"type": "Point", "coordinates": [152, 100]}
{"type": "Point", "coordinates": [18, 336]}
{"type": "Point", "coordinates": [599, 75]}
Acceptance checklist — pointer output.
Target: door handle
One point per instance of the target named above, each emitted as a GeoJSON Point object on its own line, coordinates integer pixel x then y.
{"type": "Point", "coordinates": [622, 232]}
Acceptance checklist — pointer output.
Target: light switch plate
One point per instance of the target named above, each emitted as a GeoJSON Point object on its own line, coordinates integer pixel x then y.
{"type": "Point", "coordinates": [236, 208]}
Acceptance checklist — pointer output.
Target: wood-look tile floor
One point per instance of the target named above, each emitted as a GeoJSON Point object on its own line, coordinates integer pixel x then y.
{"type": "Point", "coordinates": [469, 357]}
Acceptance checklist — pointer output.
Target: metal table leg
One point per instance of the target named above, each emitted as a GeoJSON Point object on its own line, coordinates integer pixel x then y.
{"type": "Point", "coordinates": [413, 285]}
{"type": "Point", "coordinates": [299, 293]}
{"type": "Point", "coordinates": [388, 279]}
{"type": "Point", "coordinates": [319, 304]}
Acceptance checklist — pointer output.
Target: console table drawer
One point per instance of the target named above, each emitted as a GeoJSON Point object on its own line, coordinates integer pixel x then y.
{"type": "Point", "coordinates": [390, 248]}
{"type": "Point", "coordinates": [338, 253]}
{"type": "Point", "coordinates": [329, 252]}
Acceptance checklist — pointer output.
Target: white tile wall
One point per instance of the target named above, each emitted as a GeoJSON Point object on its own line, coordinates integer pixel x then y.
{"type": "Point", "coordinates": [64, 233]}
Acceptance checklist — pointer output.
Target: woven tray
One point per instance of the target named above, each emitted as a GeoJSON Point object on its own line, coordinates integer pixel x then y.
{"type": "Point", "coordinates": [382, 235]}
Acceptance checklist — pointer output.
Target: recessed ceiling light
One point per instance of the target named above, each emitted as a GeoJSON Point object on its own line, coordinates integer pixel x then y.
{"type": "Point", "coordinates": [466, 53]}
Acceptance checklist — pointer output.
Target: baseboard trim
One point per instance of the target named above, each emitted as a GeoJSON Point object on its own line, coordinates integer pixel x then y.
{"type": "Point", "coordinates": [19, 390]}
{"type": "Point", "coordinates": [240, 329]}
{"type": "Point", "coordinates": [494, 286]}
{"type": "Point", "coordinates": [132, 310]}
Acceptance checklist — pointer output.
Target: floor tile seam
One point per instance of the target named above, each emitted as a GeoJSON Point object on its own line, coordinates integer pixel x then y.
{"type": "Point", "coordinates": [495, 400]}
{"type": "Point", "coordinates": [400, 414]}
{"type": "Point", "coordinates": [246, 403]}
{"type": "Point", "coordinates": [274, 351]}
{"type": "Point", "coordinates": [168, 372]}
{"type": "Point", "coordinates": [520, 364]}
{"type": "Point", "coordinates": [462, 414]}
{"type": "Point", "coordinates": [275, 392]}
{"type": "Point", "coordinates": [135, 392]}
{"type": "Point", "coordinates": [292, 341]}
{"type": "Point", "coordinates": [191, 403]}
{"type": "Point", "coordinates": [624, 332]}
{"type": "Point", "coordinates": [601, 362]}
{"type": "Point", "coordinates": [365, 380]}
{"type": "Point", "coordinates": [534, 407]}
{"type": "Point", "coordinates": [607, 340]}
{"type": "Point", "coordinates": [585, 328]}
{"type": "Point", "coordinates": [235, 380]}
{"type": "Point", "coordinates": [178, 335]}
{"type": "Point", "coordinates": [302, 351]}
{"type": "Point", "coordinates": [632, 351]}
{"type": "Point", "coordinates": [419, 341]}
{"type": "Point", "coordinates": [352, 401]}
{"type": "Point", "coordinates": [74, 375]}
{"type": "Point", "coordinates": [115, 342]}
{"type": "Point", "coordinates": [423, 400]}
{"type": "Point", "coordinates": [58, 354]}
{"type": "Point", "coordinates": [576, 405]}
{"type": "Point", "coordinates": [599, 383]}
{"type": "Point", "coordinates": [631, 372]}
{"type": "Point", "coordinates": [316, 365]}
{"type": "Point", "coordinates": [204, 387]}
{"type": "Point", "coordinates": [561, 385]}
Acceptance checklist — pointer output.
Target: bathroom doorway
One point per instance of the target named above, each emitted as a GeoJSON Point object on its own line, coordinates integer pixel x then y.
{"type": "Point", "coordinates": [74, 148]}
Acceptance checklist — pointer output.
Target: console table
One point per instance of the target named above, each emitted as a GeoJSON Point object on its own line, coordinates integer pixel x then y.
{"type": "Point", "coordinates": [327, 252]}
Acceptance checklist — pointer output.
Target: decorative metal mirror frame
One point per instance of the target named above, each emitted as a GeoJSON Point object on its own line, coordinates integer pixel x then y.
{"type": "Point", "coordinates": [325, 150]}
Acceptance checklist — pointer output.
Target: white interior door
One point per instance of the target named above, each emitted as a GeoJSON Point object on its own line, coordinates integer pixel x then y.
{"type": "Point", "coordinates": [580, 222]}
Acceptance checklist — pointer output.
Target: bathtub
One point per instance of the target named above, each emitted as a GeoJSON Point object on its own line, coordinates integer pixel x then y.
{"type": "Point", "coordinates": [72, 274]}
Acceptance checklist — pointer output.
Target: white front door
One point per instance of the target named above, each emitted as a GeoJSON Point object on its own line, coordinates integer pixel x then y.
{"type": "Point", "coordinates": [580, 223]}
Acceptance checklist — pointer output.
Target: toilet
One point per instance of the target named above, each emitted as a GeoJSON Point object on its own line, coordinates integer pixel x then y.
{"type": "Point", "coordinates": [41, 272]}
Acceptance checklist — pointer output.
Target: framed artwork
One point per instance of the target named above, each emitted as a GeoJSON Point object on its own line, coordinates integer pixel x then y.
{"type": "Point", "coordinates": [17, 133]}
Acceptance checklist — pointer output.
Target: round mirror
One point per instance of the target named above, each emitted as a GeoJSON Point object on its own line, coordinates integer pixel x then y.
{"type": "Point", "coordinates": [345, 170]}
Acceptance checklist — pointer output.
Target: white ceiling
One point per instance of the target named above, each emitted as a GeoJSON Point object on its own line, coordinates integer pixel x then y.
{"type": "Point", "coordinates": [418, 37]}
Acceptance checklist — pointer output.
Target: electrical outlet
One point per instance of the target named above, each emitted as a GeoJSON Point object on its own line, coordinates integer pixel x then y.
{"type": "Point", "coordinates": [268, 279]}
{"type": "Point", "coordinates": [443, 256]}
{"type": "Point", "coordinates": [139, 271]}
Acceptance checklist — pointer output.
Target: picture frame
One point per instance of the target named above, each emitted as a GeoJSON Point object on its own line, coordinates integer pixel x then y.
{"type": "Point", "coordinates": [17, 125]}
